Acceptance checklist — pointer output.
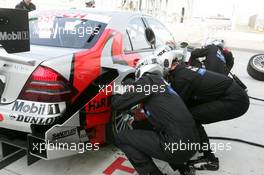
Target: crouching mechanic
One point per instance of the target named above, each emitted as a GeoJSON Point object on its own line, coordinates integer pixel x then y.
{"type": "Point", "coordinates": [209, 96]}
{"type": "Point", "coordinates": [172, 123]}
{"type": "Point", "coordinates": [217, 58]}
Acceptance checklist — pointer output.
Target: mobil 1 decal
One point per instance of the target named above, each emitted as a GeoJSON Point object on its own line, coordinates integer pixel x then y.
{"type": "Point", "coordinates": [34, 108]}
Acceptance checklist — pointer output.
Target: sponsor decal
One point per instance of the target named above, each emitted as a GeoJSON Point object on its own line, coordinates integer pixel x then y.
{"type": "Point", "coordinates": [13, 36]}
{"type": "Point", "coordinates": [63, 134]}
{"type": "Point", "coordinates": [96, 105]}
{"type": "Point", "coordinates": [20, 67]}
{"type": "Point", "coordinates": [195, 69]}
{"type": "Point", "coordinates": [34, 120]}
{"type": "Point", "coordinates": [36, 108]}
{"type": "Point", "coordinates": [201, 71]}
{"type": "Point", "coordinates": [118, 165]}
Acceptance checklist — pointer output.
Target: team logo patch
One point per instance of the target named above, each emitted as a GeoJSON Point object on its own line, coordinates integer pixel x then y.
{"type": "Point", "coordinates": [195, 69]}
{"type": "Point", "coordinates": [220, 56]}
{"type": "Point", "coordinates": [201, 71]}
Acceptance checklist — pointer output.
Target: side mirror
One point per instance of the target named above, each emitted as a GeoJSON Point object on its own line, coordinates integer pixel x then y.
{"type": "Point", "coordinates": [150, 36]}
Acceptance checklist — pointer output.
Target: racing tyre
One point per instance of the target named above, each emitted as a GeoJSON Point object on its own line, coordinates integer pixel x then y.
{"type": "Point", "coordinates": [255, 67]}
{"type": "Point", "coordinates": [120, 121]}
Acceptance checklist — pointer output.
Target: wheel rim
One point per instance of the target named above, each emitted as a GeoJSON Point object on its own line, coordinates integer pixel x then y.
{"type": "Point", "coordinates": [258, 62]}
{"type": "Point", "coordinates": [123, 121]}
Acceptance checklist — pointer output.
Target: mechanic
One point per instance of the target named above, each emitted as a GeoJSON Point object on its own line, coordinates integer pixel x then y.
{"type": "Point", "coordinates": [217, 58]}
{"type": "Point", "coordinates": [26, 5]}
{"type": "Point", "coordinates": [210, 97]}
{"type": "Point", "coordinates": [171, 120]}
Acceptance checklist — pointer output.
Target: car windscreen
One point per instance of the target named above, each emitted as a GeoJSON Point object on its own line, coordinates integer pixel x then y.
{"type": "Point", "coordinates": [65, 32]}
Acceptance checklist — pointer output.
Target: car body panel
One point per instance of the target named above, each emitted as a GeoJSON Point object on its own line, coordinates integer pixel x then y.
{"type": "Point", "coordinates": [82, 68]}
{"type": "Point", "coordinates": [45, 53]}
{"type": "Point", "coordinates": [16, 75]}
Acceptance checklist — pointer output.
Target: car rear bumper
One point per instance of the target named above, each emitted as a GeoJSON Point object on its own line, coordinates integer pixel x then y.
{"type": "Point", "coordinates": [60, 140]}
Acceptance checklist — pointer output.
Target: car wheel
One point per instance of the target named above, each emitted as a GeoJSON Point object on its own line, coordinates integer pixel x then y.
{"type": "Point", "coordinates": [120, 121]}
{"type": "Point", "coordinates": [256, 67]}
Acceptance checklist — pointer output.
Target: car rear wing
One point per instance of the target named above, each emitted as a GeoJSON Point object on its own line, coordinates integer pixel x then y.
{"type": "Point", "coordinates": [17, 59]}
{"type": "Point", "coordinates": [14, 30]}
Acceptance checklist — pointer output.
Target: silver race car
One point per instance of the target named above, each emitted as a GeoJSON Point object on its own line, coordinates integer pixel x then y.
{"type": "Point", "coordinates": [58, 93]}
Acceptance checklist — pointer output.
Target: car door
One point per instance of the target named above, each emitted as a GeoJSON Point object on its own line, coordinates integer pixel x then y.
{"type": "Point", "coordinates": [130, 45]}
{"type": "Point", "coordinates": [136, 45]}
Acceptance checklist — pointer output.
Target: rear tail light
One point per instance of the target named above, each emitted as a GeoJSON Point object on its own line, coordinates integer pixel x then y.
{"type": "Point", "coordinates": [47, 85]}
{"type": "Point", "coordinates": [1, 117]}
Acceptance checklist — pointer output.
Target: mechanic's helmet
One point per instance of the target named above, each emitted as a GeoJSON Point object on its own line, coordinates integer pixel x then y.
{"type": "Point", "coordinates": [218, 42]}
{"type": "Point", "coordinates": [148, 65]}
{"type": "Point", "coordinates": [168, 58]}
{"type": "Point", "coordinates": [161, 50]}
{"type": "Point", "coordinates": [89, 3]}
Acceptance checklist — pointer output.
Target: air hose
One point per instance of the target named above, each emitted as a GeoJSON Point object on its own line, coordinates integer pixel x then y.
{"type": "Point", "coordinates": [237, 140]}
{"type": "Point", "coordinates": [258, 99]}
{"type": "Point", "coordinates": [240, 140]}
{"type": "Point", "coordinates": [241, 84]}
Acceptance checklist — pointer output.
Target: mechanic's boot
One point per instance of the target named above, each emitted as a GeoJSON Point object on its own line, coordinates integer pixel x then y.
{"type": "Point", "coordinates": [205, 163]}
{"type": "Point", "coordinates": [188, 170]}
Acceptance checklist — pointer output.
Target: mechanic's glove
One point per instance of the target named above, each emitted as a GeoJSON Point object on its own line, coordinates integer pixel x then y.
{"type": "Point", "coordinates": [180, 54]}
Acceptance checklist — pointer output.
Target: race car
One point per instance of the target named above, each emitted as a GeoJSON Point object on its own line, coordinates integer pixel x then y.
{"type": "Point", "coordinates": [59, 91]}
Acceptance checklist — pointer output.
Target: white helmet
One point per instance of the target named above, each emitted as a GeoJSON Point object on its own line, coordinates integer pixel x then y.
{"type": "Point", "coordinates": [148, 64]}
{"type": "Point", "coordinates": [88, 1]}
{"type": "Point", "coordinates": [218, 42]}
{"type": "Point", "coordinates": [167, 58]}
